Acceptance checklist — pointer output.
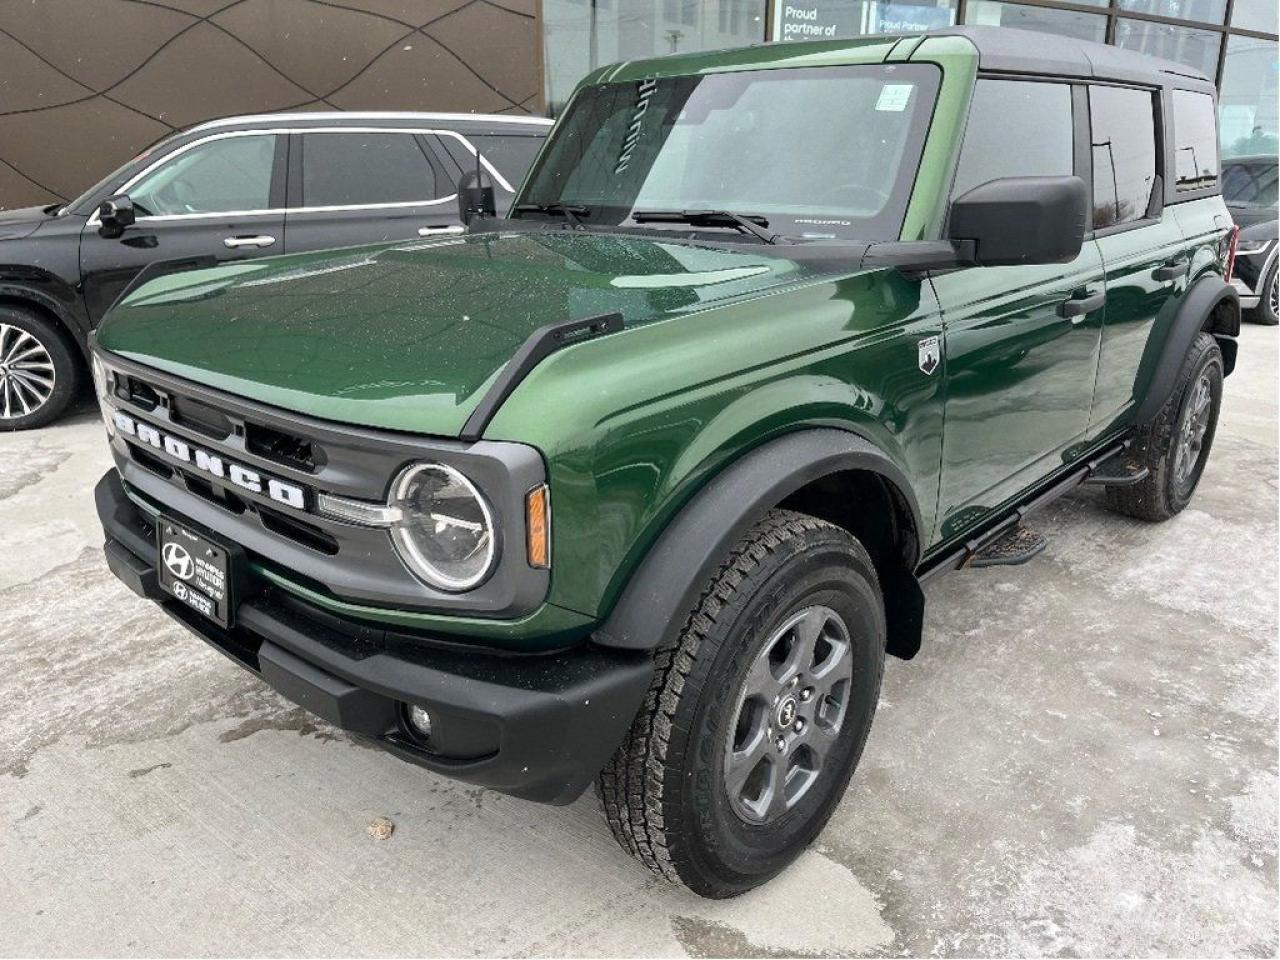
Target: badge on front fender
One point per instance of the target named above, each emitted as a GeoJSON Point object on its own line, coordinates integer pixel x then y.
{"type": "Point", "coordinates": [930, 355]}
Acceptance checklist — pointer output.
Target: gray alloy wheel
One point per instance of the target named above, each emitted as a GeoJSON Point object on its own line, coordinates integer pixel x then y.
{"type": "Point", "coordinates": [1192, 430]}
{"type": "Point", "coordinates": [27, 375]}
{"type": "Point", "coordinates": [1273, 294]}
{"type": "Point", "coordinates": [789, 714]}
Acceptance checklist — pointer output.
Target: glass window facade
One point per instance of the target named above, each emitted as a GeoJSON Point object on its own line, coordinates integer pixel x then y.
{"type": "Point", "coordinates": [1070, 23]}
{"type": "Point", "coordinates": [1195, 48]}
{"type": "Point", "coordinates": [580, 35]}
{"type": "Point", "coordinates": [1231, 41]}
{"type": "Point", "coordinates": [1247, 98]}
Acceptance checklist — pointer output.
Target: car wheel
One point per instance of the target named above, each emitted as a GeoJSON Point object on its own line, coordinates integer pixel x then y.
{"type": "Point", "coordinates": [757, 713]}
{"type": "Point", "coordinates": [1176, 446]}
{"type": "Point", "coordinates": [39, 372]}
{"type": "Point", "coordinates": [1268, 309]}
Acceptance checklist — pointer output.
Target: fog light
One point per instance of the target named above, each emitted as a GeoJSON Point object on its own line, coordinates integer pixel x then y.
{"type": "Point", "coordinates": [421, 721]}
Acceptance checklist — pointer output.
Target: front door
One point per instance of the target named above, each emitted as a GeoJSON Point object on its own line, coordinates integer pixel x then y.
{"type": "Point", "coordinates": [221, 197]}
{"type": "Point", "coordinates": [1020, 343]}
{"type": "Point", "coordinates": [351, 187]}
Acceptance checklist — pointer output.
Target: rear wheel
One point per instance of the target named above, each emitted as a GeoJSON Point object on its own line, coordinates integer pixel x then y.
{"type": "Point", "coordinates": [1176, 446]}
{"type": "Point", "coordinates": [38, 370]}
{"type": "Point", "coordinates": [757, 714]}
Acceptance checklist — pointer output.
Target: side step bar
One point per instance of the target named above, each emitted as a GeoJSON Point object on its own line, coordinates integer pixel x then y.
{"type": "Point", "coordinates": [1099, 466]}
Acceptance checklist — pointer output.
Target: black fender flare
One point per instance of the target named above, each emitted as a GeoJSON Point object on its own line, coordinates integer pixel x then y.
{"type": "Point", "coordinates": [664, 588]}
{"type": "Point", "coordinates": [1204, 296]}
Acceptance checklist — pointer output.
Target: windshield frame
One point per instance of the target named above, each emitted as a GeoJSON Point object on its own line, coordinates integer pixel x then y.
{"type": "Point", "coordinates": [886, 224]}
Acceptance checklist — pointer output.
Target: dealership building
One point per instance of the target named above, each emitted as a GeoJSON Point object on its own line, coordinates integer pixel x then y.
{"type": "Point", "coordinates": [84, 87]}
{"type": "Point", "coordinates": [1232, 41]}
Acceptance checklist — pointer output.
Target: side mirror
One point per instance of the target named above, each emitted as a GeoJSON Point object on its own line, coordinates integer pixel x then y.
{"type": "Point", "coordinates": [1022, 220]}
{"type": "Point", "coordinates": [475, 199]}
{"type": "Point", "coordinates": [116, 213]}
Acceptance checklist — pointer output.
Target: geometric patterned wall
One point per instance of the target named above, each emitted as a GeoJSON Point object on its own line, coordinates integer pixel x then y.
{"type": "Point", "coordinates": [87, 84]}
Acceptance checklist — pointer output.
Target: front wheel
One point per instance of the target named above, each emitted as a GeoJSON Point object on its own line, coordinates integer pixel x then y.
{"type": "Point", "coordinates": [757, 714]}
{"type": "Point", "coordinates": [39, 371]}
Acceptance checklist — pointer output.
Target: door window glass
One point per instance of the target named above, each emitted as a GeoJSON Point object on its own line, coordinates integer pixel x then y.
{"type": "Point", "coordinates": [1016, 129]}
{"type": "Point", "coordinates": [359, 169]}
{"type": "Point", "coordinates": [1195, 133]}
{"type": "Point", "coordinates": [1124, 154]}
{"type": "Point", "coordinates": [219, 176]}
{"type": "Point", "coordinates": [510, 154]}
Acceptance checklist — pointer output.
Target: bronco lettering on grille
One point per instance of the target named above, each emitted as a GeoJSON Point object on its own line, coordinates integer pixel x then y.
{"type": "Point", "coordinates": [289, 494]}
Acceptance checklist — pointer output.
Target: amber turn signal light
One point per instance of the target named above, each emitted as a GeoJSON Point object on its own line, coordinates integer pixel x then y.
{"type": "Point", "coordinates": [538, 523]}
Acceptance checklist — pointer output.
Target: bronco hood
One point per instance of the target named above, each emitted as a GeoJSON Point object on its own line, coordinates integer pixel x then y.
{"type": "Point", "coordinates": [409, 337]}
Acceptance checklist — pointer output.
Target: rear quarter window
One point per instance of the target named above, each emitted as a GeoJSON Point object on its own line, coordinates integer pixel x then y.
{"type": "Point", "coordinates": [1195, 135]}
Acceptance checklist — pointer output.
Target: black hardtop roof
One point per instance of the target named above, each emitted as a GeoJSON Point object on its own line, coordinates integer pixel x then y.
{"type": "Point", "coordinates": [1012, 50]}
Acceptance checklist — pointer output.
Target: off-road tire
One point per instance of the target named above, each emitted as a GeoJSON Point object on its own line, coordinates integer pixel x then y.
{"type": "Point", "coordinates": [62, 354]}
{"type": "Point", "coordinates": [1162, 494]}
{"type": "Point", "coordinates": [663, 792]}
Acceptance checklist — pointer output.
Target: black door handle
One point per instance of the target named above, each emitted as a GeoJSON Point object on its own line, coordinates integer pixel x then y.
{"type": "Point", "coordinates": [1171, 271]}
{"type": "Point", "coordinates": [1081, 304]}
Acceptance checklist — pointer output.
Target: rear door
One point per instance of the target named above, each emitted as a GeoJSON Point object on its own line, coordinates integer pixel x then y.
{"type": "Point", "coordinates": [1020, 342]}
{"type": "Point", "coordinates": [352, 186]}
{"type": "Point", "coordinates": [1143, 249]}
{"type": "Point", "coordinates": [221, 197]}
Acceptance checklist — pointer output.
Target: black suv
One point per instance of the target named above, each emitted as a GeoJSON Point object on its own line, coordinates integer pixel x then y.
{"type": "Point", "coordinates": [1249, 187]}
{"type": "Point", "coordinates": [230, 189]}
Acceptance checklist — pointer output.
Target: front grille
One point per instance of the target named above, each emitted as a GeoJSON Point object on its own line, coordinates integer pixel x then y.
{"type": "Point", "coordinates": [183, 462]}
{"type": "Point", "coordinates": [149, 462]}
{"type": "Point", "coordinates": [281, 447]}
{"type": "Point", "coordinates": [204, 419]}
{"type": "Point", "coordinates": [306, 534]}
{"type": "Point", "coordinates": [138, 392]}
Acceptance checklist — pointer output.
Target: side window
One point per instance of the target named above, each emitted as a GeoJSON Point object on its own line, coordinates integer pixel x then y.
{"type": "Point", "coordinates": [1017, 128]}
{"type": "Point", "coordinates": [511, 154]}
{"type": "Point", "coordinates": [1195, 134]}
{"type": "Point", "coordinates": [1124, 153]}
{"type": "Point", "coordinates": [358, 169]}
{"type": "Point", "coordinates": [220, 176]}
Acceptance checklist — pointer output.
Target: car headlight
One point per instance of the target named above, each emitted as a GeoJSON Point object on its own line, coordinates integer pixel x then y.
{"type": "Point", "coordinates": [100, 385]}
{"type": "Point", "coordinates": [102, 389]}
{"type": "Point", "coordinates": [444, 530]}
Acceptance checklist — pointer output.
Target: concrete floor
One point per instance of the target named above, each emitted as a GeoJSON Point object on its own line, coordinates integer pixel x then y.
{"type": "Point", "coordinates": [1082, 761]}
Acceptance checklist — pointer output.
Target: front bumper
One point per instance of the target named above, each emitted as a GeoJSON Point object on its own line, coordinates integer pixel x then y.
{"type": "Point", "coordinates": [534, 726]}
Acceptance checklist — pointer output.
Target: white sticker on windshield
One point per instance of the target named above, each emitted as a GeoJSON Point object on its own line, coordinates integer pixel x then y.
{"type": "Point", "coordinates": [894, 97]}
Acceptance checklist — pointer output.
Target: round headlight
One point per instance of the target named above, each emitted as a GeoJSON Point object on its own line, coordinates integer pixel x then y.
{"type": "Point", "coordinates": [445, 531]}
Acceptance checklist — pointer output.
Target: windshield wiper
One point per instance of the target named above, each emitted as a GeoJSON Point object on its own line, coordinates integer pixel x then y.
{"type": "Point", "coordinates": [572, 212]}
{"type": "Point", "coordinates": [746, 223]}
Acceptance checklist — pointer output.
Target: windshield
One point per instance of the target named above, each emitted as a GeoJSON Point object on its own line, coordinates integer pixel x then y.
{"type": "Point", "coordinates": [817, 151]}
{"type": "Point", "coordinates": [80, 203]}
{"type": "Point", "coordinates": [1250, 184]}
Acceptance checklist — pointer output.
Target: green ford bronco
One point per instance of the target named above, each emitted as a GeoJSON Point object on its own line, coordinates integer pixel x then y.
{"type": "Point", "coordinates": [639, 485]}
